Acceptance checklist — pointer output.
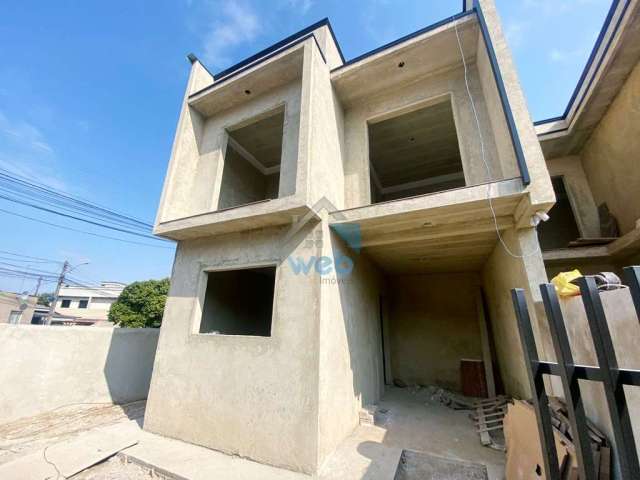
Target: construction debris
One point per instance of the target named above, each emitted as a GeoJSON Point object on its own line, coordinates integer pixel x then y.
{"type": "Point", "coordinates": [488, 417]}
{"type": "Point", "coordinates": [524, 452]}
{"type": "Point", "coordinates": [448, 398]}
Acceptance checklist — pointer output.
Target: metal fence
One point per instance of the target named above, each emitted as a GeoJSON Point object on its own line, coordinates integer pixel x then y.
{"type": "Point", "coordinates": [607, 372]}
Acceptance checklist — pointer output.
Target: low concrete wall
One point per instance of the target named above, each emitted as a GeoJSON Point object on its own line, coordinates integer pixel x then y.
{"type": "Point", "coordinates": [45, 367]}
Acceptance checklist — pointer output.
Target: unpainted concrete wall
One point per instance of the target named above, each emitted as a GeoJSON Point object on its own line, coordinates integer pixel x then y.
{"type": "Point", "coordinates": [251, 396]}
{"type": "Point", "coordinates": [433, 324]}
{"type": "Point", "coordinates": [625, 334]}
{"type": "Point", "coordinates": [194, 184]}
{"type": "Point", "coordinates": [325, 142]}
{"type": "Point", "coordinates": [351, 366]}
{"type": "Point", "coordinates": [46, 367]}
{"type": "Point", "coordinates": [502, 272]}
{"type": "Point", "coordinates": [439, 85]}
{"type": "Point", "coordinates": [610, 157]}
{"type": "Point", "coordinates": [579, 191]}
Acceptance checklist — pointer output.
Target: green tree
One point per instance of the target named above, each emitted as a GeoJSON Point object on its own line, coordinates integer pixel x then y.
{"type": "Point", "coordinates": [45, 299]}
{"type": "Point", "coordinates": [140, 304]}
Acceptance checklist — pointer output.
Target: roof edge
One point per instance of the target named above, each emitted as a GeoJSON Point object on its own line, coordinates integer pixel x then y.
{"type": "Point", "coordinates": [590, 61]}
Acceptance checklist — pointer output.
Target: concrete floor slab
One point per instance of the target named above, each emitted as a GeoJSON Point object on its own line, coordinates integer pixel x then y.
{"type": "Point", "coordinates": [180, 460]}
{"type": "Point", "coordinates": [412, 422]}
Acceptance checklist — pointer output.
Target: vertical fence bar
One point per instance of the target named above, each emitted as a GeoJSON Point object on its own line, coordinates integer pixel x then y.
{"type": "Point", "coordinates": [613, 387]}
{"type": "Point", "coordinates": [570, 384]}
{"type": "Point", "coordinates": [632, 277]}
{"type": "Point", "coordinates": [536, 382]}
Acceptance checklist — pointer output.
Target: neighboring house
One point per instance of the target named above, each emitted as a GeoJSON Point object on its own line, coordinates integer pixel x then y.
{"type": "Point", "coordinates": [593, 153]}
{"type": "Point", "coordinates": [337, 231]}
{"type": "Point", "coordinates": [16, 308]}
{"type": "Point", "coordinates": [79, 305]}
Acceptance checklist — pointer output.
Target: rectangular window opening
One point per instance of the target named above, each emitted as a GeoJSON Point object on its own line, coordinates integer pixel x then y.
{"type": "Point", "coordinates": [239, 302]}
{"type": "Point", "coordinates": [252, 162]}
{"type": "Point", "coordinates": [415, 153]}
{"type": "Point", "coordinates": [561, 227]}
{"type": "Point", "coordinates": [65, 304]}
{"type": "Point", "coordinates": [83, 303]}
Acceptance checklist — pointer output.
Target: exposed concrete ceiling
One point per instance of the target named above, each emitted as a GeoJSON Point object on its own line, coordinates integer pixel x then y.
{"type": "Point", "coordinates": [576, 129]}
{"type": "Point", "coordinates": [262, 139]}
{"type": "Point", "coordinates": [262, 78]}
{"type": "Point", "coordinates": [448, 237]}
{"type": "Point", "coordinates": [425, 54]}
{"type": "Point", "coordinates": [415, 146]}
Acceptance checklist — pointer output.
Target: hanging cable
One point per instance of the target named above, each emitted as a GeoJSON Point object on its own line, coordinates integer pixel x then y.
{"type": "Point", "coordinates": [484, 157]}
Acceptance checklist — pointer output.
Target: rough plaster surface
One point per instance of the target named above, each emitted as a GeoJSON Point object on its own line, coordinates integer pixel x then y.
{"type": "Point", "coordinates": [610, 156]}
{"type": "Point", "coordinates": [45, 367]}
{"type": "Point", "coordinates": [579, 191]}
{"type": "Point", "coordinates": [351, 370]}
{"type": "Point", "coordinates": [625, 333]}
{"type": "Point", "coordinates": [251, 396]}
{"type": "Point", "coordinates": [501, 273]}
{"type": "Point", "coordinates": [450, 83]}
{"type": "Point", "coordinates": [433, 325]}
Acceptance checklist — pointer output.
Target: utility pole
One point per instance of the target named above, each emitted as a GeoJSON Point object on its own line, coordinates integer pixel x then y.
{"type": "Point", "coordinates": [38, 286]}
{"type": "Point", "coordinates": [52, 307]}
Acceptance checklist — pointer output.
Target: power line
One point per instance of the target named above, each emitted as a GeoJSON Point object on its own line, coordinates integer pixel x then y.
{"type": "Point", "coordinates": [15, 178]}
{"type": "Point", "coordinates": [6, 252]}
{"type": "Point", "coordinates": [82, 231]}
{"type": "Point", "coordinates": [48, 210]}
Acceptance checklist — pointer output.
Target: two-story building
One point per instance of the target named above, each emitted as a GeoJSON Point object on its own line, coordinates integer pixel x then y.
{"type": "Point", "coordinates": [86, 305]}
{"type": "Point", "coordinates": [344, 225]}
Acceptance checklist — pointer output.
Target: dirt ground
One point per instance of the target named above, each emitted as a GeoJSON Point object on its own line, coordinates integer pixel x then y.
{"type": "Point", "coordinates": [31, 434]}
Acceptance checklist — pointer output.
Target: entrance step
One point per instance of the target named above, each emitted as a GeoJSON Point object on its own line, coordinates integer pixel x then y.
{"type": "Point", "coordinates": [178, 460]}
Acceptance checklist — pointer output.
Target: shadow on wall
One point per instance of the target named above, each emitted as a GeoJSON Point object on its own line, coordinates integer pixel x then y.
{"type": "Point", "coordinates": [129, 363]}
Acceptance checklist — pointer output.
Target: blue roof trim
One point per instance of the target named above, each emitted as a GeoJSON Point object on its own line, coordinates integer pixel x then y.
{"type": "Point", "coordinates": [506, 107]}
{"type": "Point", "coordinates": [587, 67]}
{"type": "Point", "coordinates": [277, 46]}
{"type": "Point", "coordinates": [405, 38]}
{"type": "Point", "coordinates": [273, 53]}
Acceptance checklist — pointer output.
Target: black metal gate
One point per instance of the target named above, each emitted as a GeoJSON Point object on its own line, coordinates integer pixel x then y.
{"type": "Point", "coordinates": [607, 371]}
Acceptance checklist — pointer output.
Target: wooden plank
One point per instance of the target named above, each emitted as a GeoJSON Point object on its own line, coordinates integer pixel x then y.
{"type": "Point", "coordinates": [486, 346]}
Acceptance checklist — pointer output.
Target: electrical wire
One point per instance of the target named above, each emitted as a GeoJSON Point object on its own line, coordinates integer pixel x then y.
{"type": "Point", "coordinates": [6, 252]}
{"type": "Point", "coordinates": [13, 177]}
{"type": "Point", "coordinates": [48, 210]}
{"type": "Point", "coordinates": [484, 158]}
{"type": "Point", "coordinates": [82, 231]}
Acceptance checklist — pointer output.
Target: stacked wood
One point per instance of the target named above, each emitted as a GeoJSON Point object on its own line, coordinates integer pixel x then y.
{"type": "Point", "coordinates": [524, 452]}
{"type": "Point", "coordinates": [488, 417]}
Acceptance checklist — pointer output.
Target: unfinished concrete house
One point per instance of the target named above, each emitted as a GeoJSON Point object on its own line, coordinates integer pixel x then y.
{"type": "Point", "coordinates": [344, 226]}
{"type": "Point", "coordinates": [592, 153]}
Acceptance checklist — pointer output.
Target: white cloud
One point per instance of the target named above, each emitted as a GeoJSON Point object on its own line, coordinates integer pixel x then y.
{"type": "Point", "coordinates": [302, 5]}
{"type": "Point", "coordinates": [237, 24]}
{"type": "Point", "coordinates": [25, 151]}
{"type": "Point", "coordinates": [515, 33]}
{"type": "Point", "coordinates": [560, 56]}
{"type": "Point", "coordinates": [24, 133]}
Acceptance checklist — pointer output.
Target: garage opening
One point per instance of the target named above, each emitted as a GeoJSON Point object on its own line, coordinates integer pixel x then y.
{"type": "Point", "coordinates": [252, 161]}
{"type": "Point", "coordinates": [239, 302]}
{"type": "Point", "coordinates": [561, 227]}
{"type": "Point", "coordinates": [415, 153]}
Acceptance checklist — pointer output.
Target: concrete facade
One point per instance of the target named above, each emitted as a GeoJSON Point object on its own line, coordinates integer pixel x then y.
{"type": "Point", "coordinates": [366, 292]}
